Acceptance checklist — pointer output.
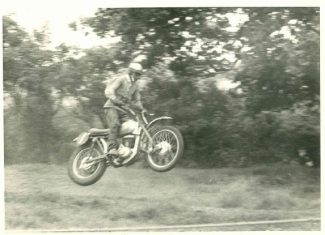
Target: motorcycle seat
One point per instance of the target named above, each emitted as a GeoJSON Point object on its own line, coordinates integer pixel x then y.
{"type": "Point", "coordinates": [98, 132]}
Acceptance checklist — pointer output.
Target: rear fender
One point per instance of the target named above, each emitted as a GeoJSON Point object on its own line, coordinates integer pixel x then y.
{"type": "Point", "coordinates": [82, 139]}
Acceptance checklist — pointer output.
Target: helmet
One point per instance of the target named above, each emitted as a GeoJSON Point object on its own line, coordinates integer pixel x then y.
{"type": "Point", "coordinates": [135, 67]}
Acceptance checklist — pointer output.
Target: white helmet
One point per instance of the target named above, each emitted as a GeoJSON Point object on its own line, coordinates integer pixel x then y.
{"type": "Point", "coordinates": [135, 67]}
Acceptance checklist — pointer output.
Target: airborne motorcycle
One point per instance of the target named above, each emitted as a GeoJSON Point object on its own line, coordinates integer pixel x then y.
{"type": "Point", "coordinates": [162, 146]}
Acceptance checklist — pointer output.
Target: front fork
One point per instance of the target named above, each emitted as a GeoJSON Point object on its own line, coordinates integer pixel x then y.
{"type": "Point", "coordinates": [151, 147]}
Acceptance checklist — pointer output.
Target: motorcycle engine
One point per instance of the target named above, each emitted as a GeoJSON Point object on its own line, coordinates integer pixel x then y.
{"type": "Point", "coordinates": [124, 151]}
{"type": "Point", "coordinates": [128, 141]}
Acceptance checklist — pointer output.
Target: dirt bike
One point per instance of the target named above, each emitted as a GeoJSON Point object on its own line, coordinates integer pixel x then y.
{"type": "Point", "coordinates": [162, 146]}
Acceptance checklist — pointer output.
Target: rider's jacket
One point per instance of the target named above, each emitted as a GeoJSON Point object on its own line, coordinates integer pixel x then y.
{"type": "Point", "coordinates": [122, 89]}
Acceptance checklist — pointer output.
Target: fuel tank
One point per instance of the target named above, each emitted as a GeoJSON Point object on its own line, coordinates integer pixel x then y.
{"type": "Point", "coordinates": [129, 127]}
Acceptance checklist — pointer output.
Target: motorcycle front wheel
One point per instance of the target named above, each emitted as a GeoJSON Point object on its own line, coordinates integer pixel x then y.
{"type": "Point", "coordinates": [82, 172]}
{"type": "Point", "coordinates": [168, 148]}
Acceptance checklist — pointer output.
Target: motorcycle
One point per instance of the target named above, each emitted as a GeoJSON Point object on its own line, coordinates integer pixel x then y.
{"type": "Point", "coordinates": [162, 146]}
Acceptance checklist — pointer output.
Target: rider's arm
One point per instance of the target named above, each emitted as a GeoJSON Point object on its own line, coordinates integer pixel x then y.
{"type": "Point", "coordinates": [110, 91]}
{"type": "Point", "coordinates": [137, 100]}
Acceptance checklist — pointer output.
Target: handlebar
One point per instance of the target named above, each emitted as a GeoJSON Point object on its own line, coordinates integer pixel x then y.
{"type": "Point", "coordinates": [132, 112]}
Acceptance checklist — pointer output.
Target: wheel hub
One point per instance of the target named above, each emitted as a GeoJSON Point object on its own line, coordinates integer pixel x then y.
{"type": "Point", "coordinates": [163, 147]}
{"type": "Point", "coordinates": [84, 165]}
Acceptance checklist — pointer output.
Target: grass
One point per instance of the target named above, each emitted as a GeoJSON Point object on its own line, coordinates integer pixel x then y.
{"type": "Point", "coordinates": [43, 197]}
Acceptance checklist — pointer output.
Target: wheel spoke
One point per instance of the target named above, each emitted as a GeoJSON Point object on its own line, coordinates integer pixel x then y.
{"type": "Point", "coordinates": [161, 161]}
{"type": "Point", "coordinates": [156, 159]}
{"type": "Point", "coordinates": [165, 136]}
{"type": "Point", "coordinates": [170, 155]}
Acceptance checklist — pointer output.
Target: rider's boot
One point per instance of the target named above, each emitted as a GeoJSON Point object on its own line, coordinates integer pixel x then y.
{"type": "Point", "coordinates": [112, 140]}
{"type": "Point", "coordinates": [113, 147]}
{"type": "Point", "coordinates": [113, 150]}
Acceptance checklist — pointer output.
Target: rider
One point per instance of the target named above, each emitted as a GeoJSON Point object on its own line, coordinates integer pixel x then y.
{"type": "Point", "coordinates": [120, 91]}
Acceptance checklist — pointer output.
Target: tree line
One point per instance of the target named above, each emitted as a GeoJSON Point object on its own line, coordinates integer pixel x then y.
{"type": "Point", "coordinates": [269, 113]}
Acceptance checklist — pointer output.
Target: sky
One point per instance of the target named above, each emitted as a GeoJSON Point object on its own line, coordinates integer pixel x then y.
{"type": "Point", "coordinates": [56, 15]}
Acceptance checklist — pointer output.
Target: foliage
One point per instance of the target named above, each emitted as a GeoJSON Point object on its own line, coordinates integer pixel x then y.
{"type": "Point", "coordinates": [29, 74]}
{"type": "Point", "coordinates": [281, 63]}
{"type": "Point", "coordinates": [188, 52]}
{"type": "Point", "coordinates": [194, 38]}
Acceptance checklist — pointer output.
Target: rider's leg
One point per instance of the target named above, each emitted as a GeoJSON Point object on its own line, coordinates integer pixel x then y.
{"type": "Point", "coordinates": [113, 123]}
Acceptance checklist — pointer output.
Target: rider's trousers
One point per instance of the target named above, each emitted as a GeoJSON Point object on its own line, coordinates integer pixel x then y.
{"type": "Point", "coordinates": [113, 122]}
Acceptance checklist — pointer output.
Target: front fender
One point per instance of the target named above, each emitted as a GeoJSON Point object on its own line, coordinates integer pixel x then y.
{"type": "Point", "coordinates": [157, 120]}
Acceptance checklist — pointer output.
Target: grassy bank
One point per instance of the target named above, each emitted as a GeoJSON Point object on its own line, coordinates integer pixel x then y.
{"type": "Point", "coordinates": [43, 197]}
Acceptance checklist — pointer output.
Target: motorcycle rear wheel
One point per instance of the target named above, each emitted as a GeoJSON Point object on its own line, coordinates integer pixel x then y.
{"type": "Point", "coordinates": [171, 144]}
{"type": "Point", "coordinates": [82, 174]}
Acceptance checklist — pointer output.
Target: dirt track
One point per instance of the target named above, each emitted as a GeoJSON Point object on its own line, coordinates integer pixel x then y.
{"type": "Point", "coordinates": [42, 197]}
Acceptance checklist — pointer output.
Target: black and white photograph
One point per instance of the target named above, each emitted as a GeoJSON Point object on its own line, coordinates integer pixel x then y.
{"type": "Point", "coordinates": [167, 117]}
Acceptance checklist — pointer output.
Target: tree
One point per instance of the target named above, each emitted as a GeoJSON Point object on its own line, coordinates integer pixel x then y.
{"type": "Point", "coordinates": [29, 74]}
{"type": "Point", "coordinates": [280, 78]}
{"type": "Point", "coordinates": [195, 39]}
{"type": "Point", "coordinates": [281, 60]}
